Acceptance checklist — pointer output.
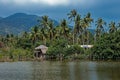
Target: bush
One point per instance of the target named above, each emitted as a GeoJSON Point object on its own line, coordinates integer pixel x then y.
{"type": "Point", "coordinates": [108, 47]}
{"type": "Point", "coordinates": [57, 47]}
{"type": "Point", "coordinates": [76, 49]}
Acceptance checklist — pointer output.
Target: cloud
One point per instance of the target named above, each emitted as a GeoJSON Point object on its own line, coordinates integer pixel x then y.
{"type": "Point", "coordinates": [49, 2]}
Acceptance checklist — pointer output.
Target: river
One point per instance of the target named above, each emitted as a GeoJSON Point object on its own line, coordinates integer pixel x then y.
{"type": "Point", "coordinates": [56, 70]}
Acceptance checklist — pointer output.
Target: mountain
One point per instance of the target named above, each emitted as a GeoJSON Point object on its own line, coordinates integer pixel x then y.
{"type": "Point", "coordinates": [18, 23]}
{"type": "Point", "coordinates": [0, 18]}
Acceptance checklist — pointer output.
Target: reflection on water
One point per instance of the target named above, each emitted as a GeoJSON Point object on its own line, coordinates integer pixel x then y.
{"type": "Point", "coordinates": [47, 70]}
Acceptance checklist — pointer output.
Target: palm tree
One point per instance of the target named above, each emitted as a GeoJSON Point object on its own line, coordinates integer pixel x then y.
{"type": "Point", "coordinates": [64, 28]}
{"type": "Point", "coordinates": [45, 27]}
{"type": "Point", "coordinates": [86, 21]}
{"type": "Point", "coordinates": [112, 27]}
{"type": "Point", "coordinates": [89, 21]}
{"type": "Point", "coordinates": [72, 16]}
{"type": "Point", "coordinates": [97, 33]}
{"type": "Point", "coordinates": [44, 22]}
{"type": "Point", "coordinates": [43, 35]}
{"type": "Point", "coordinates": [100, 23]}
{"type": "Point", "coordinates": [34, 34]}
{"type": "Point", "coordinates": [58, 32]}
{"type": "Point", "coordinates": [25, 34]}
{"type": "Point", "coordinates": [50, 30]}
{"type": "Point", "coordinates": [78, 27]}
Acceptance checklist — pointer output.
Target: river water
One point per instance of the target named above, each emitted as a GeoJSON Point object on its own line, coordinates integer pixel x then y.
{"type": "Point", "coordinates": [56, 70]}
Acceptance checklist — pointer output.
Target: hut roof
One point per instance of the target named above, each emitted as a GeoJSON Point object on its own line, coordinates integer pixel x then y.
{"type": "Point", "coordinates": [43, 48]}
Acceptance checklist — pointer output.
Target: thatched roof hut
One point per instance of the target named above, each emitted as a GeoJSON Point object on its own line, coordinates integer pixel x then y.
{"type": "Point", "coordinates": [43, 48]}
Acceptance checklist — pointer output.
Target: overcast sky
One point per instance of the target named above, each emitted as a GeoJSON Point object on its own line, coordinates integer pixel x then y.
{"type": "Point", "coordinates": [58, 9]}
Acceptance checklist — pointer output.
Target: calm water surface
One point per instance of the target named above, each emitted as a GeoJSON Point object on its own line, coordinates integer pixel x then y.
{"type": "Point", "coordinates": [50, 70]}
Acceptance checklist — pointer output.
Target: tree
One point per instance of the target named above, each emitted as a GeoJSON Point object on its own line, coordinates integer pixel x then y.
{"type": "Point", "coordinates": [45, 26]}
{"type": "Point", "coordinates": [34, 34]}
{"type": "Point", "coordinates": [78, 27]}
{"type": "Point", "coordinates": [44, 22]}
{"type": "Point", "coordinates": [86, 21]}
{"type": "Point", "coordinates": [72, 16]}
{"type": "Point", "coordinates": [100, 27]}
{"type": "Point", "coordinates": [107, 47]}
{"type": "Point", "coordinates": [64, 28]}
{"type": "Point", "coordinates": [112, 27]}
{"type": "Point", "coordinates": [50, 30]}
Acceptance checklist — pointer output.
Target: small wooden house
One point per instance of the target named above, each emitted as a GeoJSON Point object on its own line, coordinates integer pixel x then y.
{"type": "Point", "coordinates": [40, 51]}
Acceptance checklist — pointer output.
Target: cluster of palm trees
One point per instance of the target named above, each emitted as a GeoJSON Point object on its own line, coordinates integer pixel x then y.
{"type": "Point", "coordinates": [78, 34]}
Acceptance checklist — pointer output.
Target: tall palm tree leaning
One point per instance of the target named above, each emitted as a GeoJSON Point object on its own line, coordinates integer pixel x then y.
{"type": "Point", "coordinates": [72, 16]}
{"type": "Point", "coordinates": [100, 27]}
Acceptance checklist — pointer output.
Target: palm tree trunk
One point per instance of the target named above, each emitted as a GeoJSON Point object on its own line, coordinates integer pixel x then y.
{"type": "Point", "coordinates": [88, 38]}
{"type": "Point", "coordinates": [73, 38]}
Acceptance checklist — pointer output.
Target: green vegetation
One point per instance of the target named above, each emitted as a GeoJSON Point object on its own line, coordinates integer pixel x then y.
{"type": "Point", "coordinates": [107, 47]}
{"type": "Point", "coordinates": [64, 42]}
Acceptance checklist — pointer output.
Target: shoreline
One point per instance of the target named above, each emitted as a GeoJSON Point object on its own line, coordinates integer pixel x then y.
{"type": "Point", "coordinates": [65, 60]}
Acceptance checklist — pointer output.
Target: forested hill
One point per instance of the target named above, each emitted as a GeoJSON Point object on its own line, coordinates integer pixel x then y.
{"type": "Point", "coordinates": [0, 18]}
{"type": "Point", "coordinates": [18, 22]}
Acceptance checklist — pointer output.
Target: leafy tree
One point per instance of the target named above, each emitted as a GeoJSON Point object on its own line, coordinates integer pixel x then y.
{"type": "Point", "coordinates": [107, 47]}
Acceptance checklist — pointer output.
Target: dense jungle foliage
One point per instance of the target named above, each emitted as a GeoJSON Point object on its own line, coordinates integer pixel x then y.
{"type": "Point", "coordinates": [62, 40]}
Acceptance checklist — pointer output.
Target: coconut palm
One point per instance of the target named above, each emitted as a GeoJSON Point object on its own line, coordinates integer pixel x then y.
{"type": "Point", "coordinates": [72, 16]}
{"type": "Point", "coordinates": [34, 34]}
{"type": "Point", "coordinates": [46, 27]}
{"type": "Point", "coordinates": [25, 34]}
{"type": "Point", "coordinates": [89, 21]}
{"type": "Point", "coordinates": [86, 22]}
{"type": "Point", "coordinates": [78, 27]}
{"type": "Point", "coordinates": [57, 32]}
{"type": "Point", "coordinates": [100, 23]}
{"type": "Point", "coordinates": [50, 30]}
{"type": "Point", "coordinates": [64, 28]}
{"type": "Point", "coordinates": [44, 22]}
{"type": "Point", "coordinates": [112, 27]}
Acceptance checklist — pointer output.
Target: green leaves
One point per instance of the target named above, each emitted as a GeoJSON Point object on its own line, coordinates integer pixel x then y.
{"type": "Point", "coordinates": [107, 47]}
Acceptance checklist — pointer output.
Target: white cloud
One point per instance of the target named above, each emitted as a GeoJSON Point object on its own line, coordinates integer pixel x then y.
{"type": "Point", "coordinates": [49, 2]}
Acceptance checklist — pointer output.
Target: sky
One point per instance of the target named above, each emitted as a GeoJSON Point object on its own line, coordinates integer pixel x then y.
{"type": "Point", "coordinates": [109, 10]}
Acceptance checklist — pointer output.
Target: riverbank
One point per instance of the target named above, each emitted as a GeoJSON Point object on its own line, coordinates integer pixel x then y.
{"type": "Point", "coordinates": [21, 59]}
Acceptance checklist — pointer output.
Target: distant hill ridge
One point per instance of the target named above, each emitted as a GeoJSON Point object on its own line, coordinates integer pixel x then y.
{"type": "Point", "coordinates": [0, 18]}
{"type": "Point", "coordinates": [18, 22]}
